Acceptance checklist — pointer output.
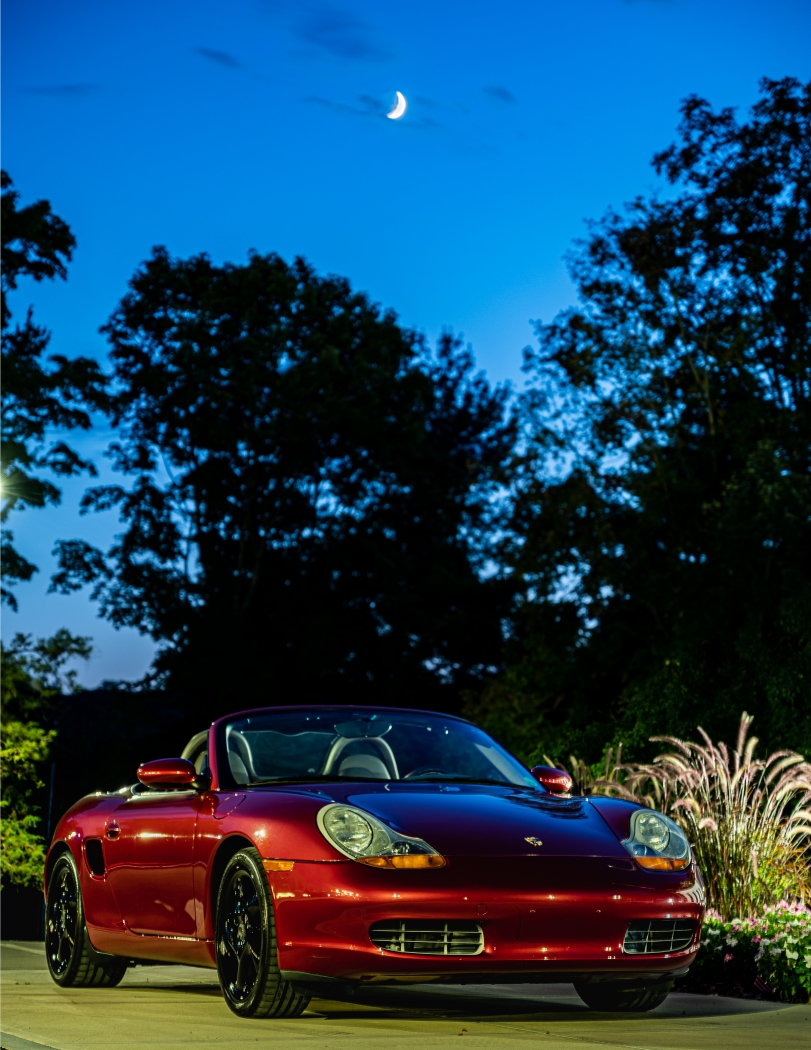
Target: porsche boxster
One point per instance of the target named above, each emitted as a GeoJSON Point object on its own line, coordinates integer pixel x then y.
{"type": "Point", "coordinates": [310, 850]}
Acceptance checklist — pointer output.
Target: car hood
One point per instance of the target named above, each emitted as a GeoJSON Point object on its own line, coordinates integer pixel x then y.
{"type": "Point", "coordinates": [474, 820]}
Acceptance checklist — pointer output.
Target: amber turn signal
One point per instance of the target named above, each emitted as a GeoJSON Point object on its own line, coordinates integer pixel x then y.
{"type": "Point", "coordinates": [405, 860]}
{"type": "Point", "coordinates": [278, 865]}
{"type": "Point", "coordinates": [663, 863]}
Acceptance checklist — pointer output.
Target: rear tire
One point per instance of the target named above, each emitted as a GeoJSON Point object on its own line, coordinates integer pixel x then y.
{"type": "Point", "coordinates": [245, 938]}
{"type": "Point", "coordinates": [73, 962]}
{"type": "Point", "coordinates": [618, 997]}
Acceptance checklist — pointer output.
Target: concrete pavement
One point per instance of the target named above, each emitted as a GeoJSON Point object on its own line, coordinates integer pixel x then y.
{"type": "Point", "coordinates": [172, 1007]}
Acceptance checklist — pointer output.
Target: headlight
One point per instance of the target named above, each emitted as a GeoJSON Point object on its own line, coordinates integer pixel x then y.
{"type": "Point", "coordinates": [364, 838]}
{"type": "Point", "coordinates": [657, 843]}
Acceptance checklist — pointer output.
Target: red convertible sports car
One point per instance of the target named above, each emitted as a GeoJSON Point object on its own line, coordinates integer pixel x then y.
{"type": "Point", "coordinates": [303, 850]}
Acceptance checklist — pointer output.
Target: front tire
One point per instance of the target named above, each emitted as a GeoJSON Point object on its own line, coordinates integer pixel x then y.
{"type": "Point", "coordinates": [247, 959]}
{"type": "Point", "coordinates": [72, 960]}
{"type": "Point", "coordinates": [618, 997]}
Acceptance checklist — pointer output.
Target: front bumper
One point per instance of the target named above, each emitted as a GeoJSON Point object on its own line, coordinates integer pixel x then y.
{"type": "Point", "coordinates": [542, 917]}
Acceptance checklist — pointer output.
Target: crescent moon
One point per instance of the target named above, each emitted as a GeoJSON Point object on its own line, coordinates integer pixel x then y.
{"type": "Point", "coordinates": [399, 107]}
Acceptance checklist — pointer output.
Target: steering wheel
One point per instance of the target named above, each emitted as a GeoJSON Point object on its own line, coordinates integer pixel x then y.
{"type": "Point", "coordinates": [423, 771]}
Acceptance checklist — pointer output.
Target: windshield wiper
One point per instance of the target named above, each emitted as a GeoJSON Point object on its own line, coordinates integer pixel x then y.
{"type": "Point", "coordinates": [311, 778]}
{"type": "Point", "coordinates": [338, 779]}
{"type": "Point", "coordinates": [445, 777]}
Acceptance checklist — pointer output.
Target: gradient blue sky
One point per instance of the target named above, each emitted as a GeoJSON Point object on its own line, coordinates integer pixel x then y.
{"type": "Point", "coordinates": [220, 127]}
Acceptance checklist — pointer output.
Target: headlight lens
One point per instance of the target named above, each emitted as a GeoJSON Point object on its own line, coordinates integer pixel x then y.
{"type": "Point", "coordinates": [349, 828]}
{"type": "Point", "coordinates": [368, 840]}
{"type": "Point", "coordinates": [652, 831]}
{"type": "Point", "coordinates": [657, 843]}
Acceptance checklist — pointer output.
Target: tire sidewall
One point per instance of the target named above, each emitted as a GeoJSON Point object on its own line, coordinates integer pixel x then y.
{"type": "Point", "coordinates": [66, 979]}
{"type": "Point", "coordinates": [248, 860]}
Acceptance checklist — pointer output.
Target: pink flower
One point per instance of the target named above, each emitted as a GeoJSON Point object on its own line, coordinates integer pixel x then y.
{"type": "Point", "coordinates": [757, 940]}
{"type": "Point", "coordinates": [728, 956]}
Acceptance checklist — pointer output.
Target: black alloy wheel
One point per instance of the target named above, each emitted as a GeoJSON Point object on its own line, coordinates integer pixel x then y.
{"type": "Point", "coordinates": [622, 997]}
{"type": "Point", "coordinates": [72, 960]}
{"type": "Point", "coordinates": [247, 960]}
{"type": "Point", "coordinates": [62, 922]}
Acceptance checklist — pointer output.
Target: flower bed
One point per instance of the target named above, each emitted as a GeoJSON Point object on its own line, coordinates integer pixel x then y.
{"type": "Point", "coordinates": [767, 958]}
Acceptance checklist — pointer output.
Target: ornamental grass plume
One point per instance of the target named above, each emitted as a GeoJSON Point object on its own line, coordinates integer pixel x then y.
{"type": "Point", "coordinates": [586, 782]}
{"type": "Point", "coordinates": [748, 819]}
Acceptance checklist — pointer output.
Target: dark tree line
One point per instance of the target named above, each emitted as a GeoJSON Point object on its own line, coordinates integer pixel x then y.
{"type": "Point", "coordinates": [310, 495]}
{"type": "Point", "coordinates": [315, 506]}
{"type": "Point", "coordinates": [662, 516]}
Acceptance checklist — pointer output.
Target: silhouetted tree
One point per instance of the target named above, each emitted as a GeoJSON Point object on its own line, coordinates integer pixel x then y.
{"type": "Point", "coordinates": [38, 395]}
{"type": "Point", "coordinates": [309, 513]}
{"type": "Point", "coordinates": [662, 527]}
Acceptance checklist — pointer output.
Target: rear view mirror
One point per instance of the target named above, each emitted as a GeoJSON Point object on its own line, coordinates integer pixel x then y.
{"type": "Point", "coordinates": [557, 781]}
{"type": "Point", "coordinates": [168, 773]}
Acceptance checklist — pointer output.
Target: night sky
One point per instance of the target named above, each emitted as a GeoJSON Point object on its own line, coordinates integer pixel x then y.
{"type": "Point", "coordinates": [221, 127]}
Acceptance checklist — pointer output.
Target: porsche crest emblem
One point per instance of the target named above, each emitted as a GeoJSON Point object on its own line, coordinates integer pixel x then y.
{"type": "Point", "coordinates": [533, 841]}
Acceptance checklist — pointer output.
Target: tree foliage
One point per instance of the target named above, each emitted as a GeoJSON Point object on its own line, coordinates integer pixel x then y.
{"type": "Point", "coordinates": [662, 525]}
{"type": "Point", "coordinates": [311, 491]}
{"type": "Point", "coordinates": [24, 747]}
{"type": "Point", "coordinates": [39, 394]}
{"type": "Point", "coordinates": [33, 679]}
{"type": "Point", "coordinates": [34, 672]}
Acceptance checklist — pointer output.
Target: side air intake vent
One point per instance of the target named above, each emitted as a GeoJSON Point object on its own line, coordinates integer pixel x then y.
{"type": "Point", "coordinates": [424, 937]}
{"type": "Point", "coordinates": [654, 936]}
{"type": "Point", "coordinates": [95, 856]}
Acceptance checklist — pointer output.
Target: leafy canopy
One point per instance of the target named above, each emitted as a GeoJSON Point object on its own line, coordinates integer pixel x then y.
{"type": "Point", "coordinates": [311, 490]}
{"type": "Point", "coordinates": [39, 395]}
{"type": "Point", "coordinates": [662, 525]}
{"type": "Point", "coordinates": [34, 672]}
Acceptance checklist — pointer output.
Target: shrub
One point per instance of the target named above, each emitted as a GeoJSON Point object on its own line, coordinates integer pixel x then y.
{"type": "Point", "coordinates": [25, 745]}
{"type": "Point", "coordinates": [768, 957]}
{"type": "Point", "coordinates": [32, 675]}
{"type": "Point", "coordinates": [748, 819]}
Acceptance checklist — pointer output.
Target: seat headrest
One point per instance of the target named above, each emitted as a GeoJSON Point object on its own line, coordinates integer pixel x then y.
{"type": "Point", "coordinates": [240, 773]}
{"type": "Point", "coordinates": [364, 766]}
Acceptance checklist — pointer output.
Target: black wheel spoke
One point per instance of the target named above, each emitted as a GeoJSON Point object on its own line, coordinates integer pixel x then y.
{"type": "Point", "coordinates": [246, 971]}
{"type": "Point", "coordinates": [228, 944]}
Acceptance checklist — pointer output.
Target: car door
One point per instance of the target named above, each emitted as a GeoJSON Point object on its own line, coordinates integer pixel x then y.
{"type": "Point", "coordinates": [149, 852]}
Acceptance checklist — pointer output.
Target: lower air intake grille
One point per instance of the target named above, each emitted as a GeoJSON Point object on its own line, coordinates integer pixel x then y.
{"type": "Point", "coordinates": [424, 937]}
{"type": "Point", "coordinates": [653, 936]}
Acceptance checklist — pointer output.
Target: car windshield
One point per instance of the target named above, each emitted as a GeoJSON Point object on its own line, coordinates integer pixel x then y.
{"type": "Point", "coordinates": [332, 744]}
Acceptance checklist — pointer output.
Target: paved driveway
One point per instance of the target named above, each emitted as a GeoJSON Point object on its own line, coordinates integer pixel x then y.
{"type": "Point", "coordinates": [169, 1007]}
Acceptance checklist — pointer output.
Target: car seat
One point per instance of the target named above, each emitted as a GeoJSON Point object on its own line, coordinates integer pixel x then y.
{"type": "Point", "coordinates": [239, 758]}
{"type": "Point", "coordinates": [369, 756]}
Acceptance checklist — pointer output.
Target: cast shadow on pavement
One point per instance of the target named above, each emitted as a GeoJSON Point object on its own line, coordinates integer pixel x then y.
{"type": "Point", "coordinates": [557, 1002]}
{"type": "Point", "coordinates": [526, 1002]}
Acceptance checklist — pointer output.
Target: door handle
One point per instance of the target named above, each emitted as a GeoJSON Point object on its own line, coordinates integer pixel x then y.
{"type": "Point", "coordinates": [113, 830]}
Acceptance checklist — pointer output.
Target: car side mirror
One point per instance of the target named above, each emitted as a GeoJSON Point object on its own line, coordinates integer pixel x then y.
{"type": "Point", "coordinates": [558, 781]}
{"type": "Point", "coordinates": [171, 773]}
